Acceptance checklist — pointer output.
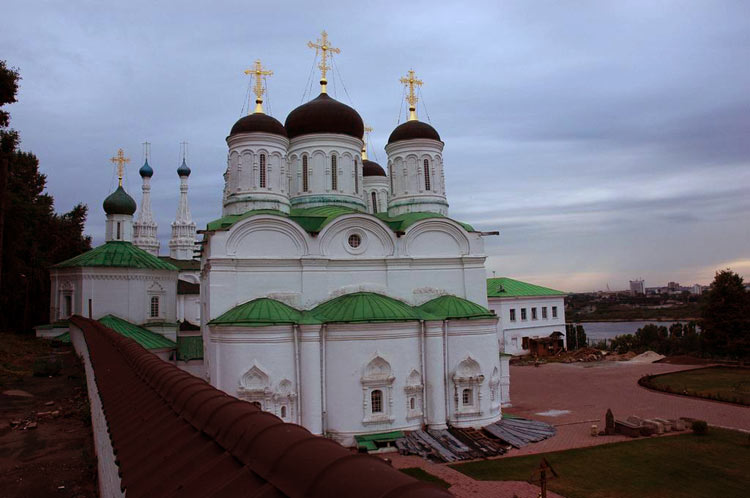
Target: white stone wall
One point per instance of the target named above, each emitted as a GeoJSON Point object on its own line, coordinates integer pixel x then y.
{"type": "Point", "coordinates": [107, 469]}
{"type": "Point", "coordinates": [123, 292]}
{"type": "Point", "coordinates": [242, 183]}
{"type": "Point", "coordinates": [409, 192]}
{"type": "Point", "coordinates": [381, 187]}
{"type": "Point", "coordinates": [319, 149]}
{"type": "Point", "coordinates": [511, 333]}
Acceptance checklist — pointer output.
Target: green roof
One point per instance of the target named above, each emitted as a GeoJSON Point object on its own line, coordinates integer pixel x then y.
{"type": "Point", "coordinates": [144, 337]}
{"type": "Point", "coordinates": [446, 307]}
{"type": "Point", "coordinates": [507, 287]}
{"type": "Point", "coordinates": [366, 307]}
{"type": "Point", "coordinates": [314, 219]}
{"type": "Point", "coordinates": [117, 254]}
{"type": "Point", "coordinates": [182, 264]}
{"type": "Point", "coordinates": [64, 337]}
{"type": "Point", "coordinates": [367, 441]}
{"type": "Point", "coordinates": [189, 347]}
{"type": "Point", "coordinates": [258, 313]}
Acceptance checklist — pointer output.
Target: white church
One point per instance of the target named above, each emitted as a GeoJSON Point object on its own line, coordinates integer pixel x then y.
{"type": "Point", "coordinates": [329, 293]}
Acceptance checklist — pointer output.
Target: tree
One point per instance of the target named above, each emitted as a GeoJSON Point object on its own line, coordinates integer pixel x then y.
{"type": "Point", "coordinates": [32, 236]}
{"type": "Point", "coordinates": [8, 142]}
{"type": "Point", "coordinates": [725, 320]}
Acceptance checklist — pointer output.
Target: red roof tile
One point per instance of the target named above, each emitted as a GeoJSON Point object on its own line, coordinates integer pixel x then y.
{"type": "Point", "coordinates": [174, 435]}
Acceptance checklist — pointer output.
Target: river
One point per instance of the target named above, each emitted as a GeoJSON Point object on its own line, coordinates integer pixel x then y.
{"type": "Point", "coordinates": [596, 331]}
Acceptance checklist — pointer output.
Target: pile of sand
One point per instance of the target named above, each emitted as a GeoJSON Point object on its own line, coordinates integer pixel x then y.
{"type": "Point", "coordinates": [647, 357]}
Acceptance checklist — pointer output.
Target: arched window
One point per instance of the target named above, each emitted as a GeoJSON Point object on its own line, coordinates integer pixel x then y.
{"type": "Point", "coordinates": [154, 307]}
{"type": "Point", "coordinates": [283, 412]}
{"type": "Point", "coordinates": [426, 175]}
{"type": "Point", "coordinates": [304, 174]}
{"type": "Point", "coordinates": [356, 175]}
{"type": "Point", "coordinates": [334, 174]}
{"type": "Point", "coordinates": [390, 175]}
{"type": "Point", "coordinates": [376, 401]}
{"type": "Point", "coordinates": [467, 398]}
{"type": "Point", "coordinates": [262, 171]}
{"type": "Point", "coordinates": [118, 230]}
{"type": "Point", "coordinates": [374, 202]}
{"type": "Point", "coordinates": [412, 403]}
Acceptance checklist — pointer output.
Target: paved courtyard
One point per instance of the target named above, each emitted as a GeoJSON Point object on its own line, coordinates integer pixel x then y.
{"type": "Point", "coordinates": [574, 396]}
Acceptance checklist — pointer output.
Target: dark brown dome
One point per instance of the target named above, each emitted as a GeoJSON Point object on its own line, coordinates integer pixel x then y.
{"type": "Point", "coordinates": [324, 114]}
{"type": "Point", "coordinates": [371, 168]}
{"type": "Point", "coordinates": [258, 123]}
{"type": "Point", "coordinates": [411, 130]}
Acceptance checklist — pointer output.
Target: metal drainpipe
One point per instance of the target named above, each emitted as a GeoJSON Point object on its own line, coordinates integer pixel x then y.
{"type": "Point", "coordinates": [422, 370]}
{"type": "Point", "coordinates": [323, 414]}
{"type": "Point", "coordinates": [295, 331]}
{"type": "Point", "coordinates": [445, 370]}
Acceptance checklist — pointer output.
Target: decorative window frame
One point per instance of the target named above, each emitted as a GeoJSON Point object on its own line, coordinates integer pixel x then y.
{"type": "Point", "coordinates": [414, 390]}
{"type": "Point", "coordinates": [285, 397]}
{"type": "Point", "coordinates": [155, 290]}
{"type": "Point", "coordinates": [362, 247]}
{"type": "Point", "coordinates": [495, 395]}
{"type": "Point", "coordinates": [377, 375]}
{"type": "Point", "coordinates": [468, 375]}
{"type": "Point", "coordinates": [255, 388]}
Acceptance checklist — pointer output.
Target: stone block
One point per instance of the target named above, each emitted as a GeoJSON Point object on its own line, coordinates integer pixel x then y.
{"type": "Point", "coordinates": [627, 428]}
{"type": "Point", "coordinates": [665, 423]}
{"type": "Point", "coordinates": [657, 427]}
{"type": "Point", "coordinates": [677, 424]}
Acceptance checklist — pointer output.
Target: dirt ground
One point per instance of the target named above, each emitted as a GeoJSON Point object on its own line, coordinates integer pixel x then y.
{"type": "Point", "coordinates": [46, 445]}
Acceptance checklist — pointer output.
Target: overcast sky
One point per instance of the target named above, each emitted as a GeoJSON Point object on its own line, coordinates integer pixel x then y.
{"type": "Point", "coordinates": [605, 140]}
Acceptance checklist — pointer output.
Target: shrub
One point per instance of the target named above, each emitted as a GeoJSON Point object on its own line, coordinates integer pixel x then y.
{"type": "Point", "coordinates": [700, 427]}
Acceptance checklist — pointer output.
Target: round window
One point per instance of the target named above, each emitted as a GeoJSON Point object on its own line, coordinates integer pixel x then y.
{"type": "Point", "coordinates": [354, 240]}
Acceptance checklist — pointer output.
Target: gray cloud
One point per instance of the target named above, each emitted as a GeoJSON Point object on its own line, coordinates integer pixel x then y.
{"type": "Point", "coordinates": [606, 140]}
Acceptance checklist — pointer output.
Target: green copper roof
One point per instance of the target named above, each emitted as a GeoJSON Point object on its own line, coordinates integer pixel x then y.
{"type": "Point", "coordinates": [314, 219]}
{"type": "Point", "coordinates": [258, 313]}
{"type": "Point", "coordinates": [64, 337]}
{"type": "Point", "coordinates": [119, 202]}
{"type": "Point", "coordinates": [446, 307]}
{"type": "Point", "coordinates": [144, 337]}
{"type": "Point", "coordinates": [117, 254]}
{"type": "Point", "coordinates": [190, 347]}
{"type": "Point", "coordinates": [366, 307]}
{"type": "Point", "coordinates": [507, 287]}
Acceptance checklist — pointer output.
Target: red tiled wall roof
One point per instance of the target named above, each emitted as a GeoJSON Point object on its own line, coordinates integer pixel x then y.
{"type": "Point", "coordinates": [175, 435]}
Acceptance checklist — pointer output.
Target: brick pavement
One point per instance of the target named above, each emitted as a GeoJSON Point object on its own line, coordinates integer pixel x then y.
{"type": "Point", "coordinates": [582, 392]}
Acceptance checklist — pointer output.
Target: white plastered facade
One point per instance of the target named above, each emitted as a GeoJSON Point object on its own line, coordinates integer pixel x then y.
{"type": "Point", "coordinates": [513, 330]}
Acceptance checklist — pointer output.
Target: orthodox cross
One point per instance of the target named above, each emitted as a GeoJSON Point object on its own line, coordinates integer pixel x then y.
{"type": "Point", "coordinates": [324, 46]}
{"type": "Point", "coordinates": [368, 130]}
{"type": "Point", "coordinates": [121, 161]}
{"type": "Point", "coordinates": [258, 72]}
{"type": "Point", "coordinates": [412, 81]}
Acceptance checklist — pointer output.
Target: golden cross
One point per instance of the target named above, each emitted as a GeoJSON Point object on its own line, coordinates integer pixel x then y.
{"type": "Point", "coordinates": [324, 46]}
{"type": "Point", "coordinates": [121, 161]}
{"type": "Point", "coordinates": [368, 130]}
{"type": "Point", "coordinates": [258, 72]}
{"type": "Point", "coordinates": [412, 81]}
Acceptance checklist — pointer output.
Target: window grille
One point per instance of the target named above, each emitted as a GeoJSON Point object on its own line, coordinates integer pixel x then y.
{"type": "Point", "coordinates": [304, 174]}
{"type": "Point", "coordinates": [262, 171]}
{"type": "Point", "coordinates": [427, 175]}
{"type": "Point", "coordinates": [374, 203]}
{"type": "Point", "coordinates": [334, 174]}
{"type": "Point", "coordinates": [154, 306]}
{"type": "Point", "coordinates": [466, 397]}
{"type": "Point", "coordinates": [376, 399]}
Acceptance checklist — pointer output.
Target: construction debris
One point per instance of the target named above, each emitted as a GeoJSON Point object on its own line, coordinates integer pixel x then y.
{"type": "Point", "coordinates": [454, 444]}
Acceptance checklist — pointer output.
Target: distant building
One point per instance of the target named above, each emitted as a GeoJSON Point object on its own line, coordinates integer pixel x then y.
{"type": "Point", "coordinates": [696, 289]}
{"type": "Point", "coordinates": [674, 287]}
{"type": "Point", "coordinates": [637, 287]}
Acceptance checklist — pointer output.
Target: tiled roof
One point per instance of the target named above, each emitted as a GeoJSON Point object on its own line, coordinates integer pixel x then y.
{"type": "Point", "coordinates": [314, 219]}
{"type": "Point", "coordinates": [144, 337]}
{"type": "Point", "coordinates": [446, 307]}
{"type": "Point", "coordinates": [188, 439]}
{"type": "Point", "coordinates": [117, 254]}
{"type": "Point", "coordinates": [507, 287]}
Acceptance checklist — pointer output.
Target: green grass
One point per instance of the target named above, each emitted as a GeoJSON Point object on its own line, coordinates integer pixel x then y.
{"type": "Point", "coordinates": [425, 476]}
{"type": "Point", "coordinates": [685, 466]}
{"type": "Point", "coordinates": [724, 383]}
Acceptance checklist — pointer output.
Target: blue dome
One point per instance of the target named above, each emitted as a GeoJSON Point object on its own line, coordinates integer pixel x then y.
{"type": "Point", "coordinates": [146, 170]}
{"type": "Point", "coordinates": [183, 170]}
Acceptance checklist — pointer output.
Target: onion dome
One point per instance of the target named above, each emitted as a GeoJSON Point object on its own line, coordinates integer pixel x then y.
{"type": "Point", "coordinates": [324, 114]}
{"type": "Point", "coordinates": [146, 170]}
{"type": "Point", "coordinates": [411, 130]}
{"type": "Point", "coordinates": [119, 202]}
{"type": "Point", "coordinates": [258, 123]}
{"type": "Point", "coordinates": [183, 170]}
{"type": "Point", "coordinates": [371, 168]}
